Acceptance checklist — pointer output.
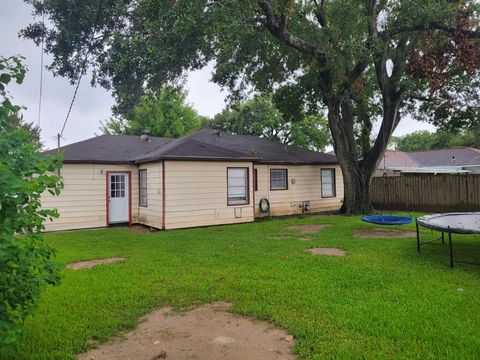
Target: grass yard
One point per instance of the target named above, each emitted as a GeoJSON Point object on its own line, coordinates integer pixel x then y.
{"type": "Point", "coordinates": [382, 300]}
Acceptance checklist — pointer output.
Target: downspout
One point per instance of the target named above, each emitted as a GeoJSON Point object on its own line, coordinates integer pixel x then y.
{"type": "Point", "coordinates": [163, 195]}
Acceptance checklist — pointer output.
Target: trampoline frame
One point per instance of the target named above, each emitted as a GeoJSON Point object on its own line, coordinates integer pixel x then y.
{"type": "Point", "coordinates": [447, 230]}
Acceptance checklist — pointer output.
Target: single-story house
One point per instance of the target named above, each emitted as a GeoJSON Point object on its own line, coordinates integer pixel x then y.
{"type": "Point", "coordinates": [207, 178]}
{"type": "Point", "coordinates": [436, 161]}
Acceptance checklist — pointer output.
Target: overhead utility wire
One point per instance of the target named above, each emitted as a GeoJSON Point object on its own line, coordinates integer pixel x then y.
{"type": "Point", "coordinates": [41, 74]}
{"type": "Point", "coordinates": [82, 71]}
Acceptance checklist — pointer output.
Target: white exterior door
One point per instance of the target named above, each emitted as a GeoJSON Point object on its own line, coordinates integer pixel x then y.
{"type": "Point", "coordinates": [118, 193]}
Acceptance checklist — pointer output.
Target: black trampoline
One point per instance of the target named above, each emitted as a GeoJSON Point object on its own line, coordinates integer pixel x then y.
{"type": "Point", "coordinates": [450, 223]}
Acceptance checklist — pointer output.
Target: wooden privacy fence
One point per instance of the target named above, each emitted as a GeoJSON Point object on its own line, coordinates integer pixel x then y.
{"type": "Point", "coordinates": [427, 192]}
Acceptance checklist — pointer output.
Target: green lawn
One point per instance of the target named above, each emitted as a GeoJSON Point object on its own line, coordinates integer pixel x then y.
{"type": "Point", "coordinates": [383, 300]}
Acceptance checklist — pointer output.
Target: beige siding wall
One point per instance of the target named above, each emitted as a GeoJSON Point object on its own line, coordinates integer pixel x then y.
{"type": "Point", "coordinates": [196, 194]}
{"type": "Point", "coordinates": [307, 187]}
{"type": "Point", "coordinates": [82, 202]}
{"type": "Point", "coordinates": [151, 215]}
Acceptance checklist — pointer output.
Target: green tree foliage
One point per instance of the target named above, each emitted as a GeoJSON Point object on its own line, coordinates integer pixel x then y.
{"type": "Point", "coordinates": [15, 121]}
{"type": "Point", "coordinates": [418, 140]}
{"type": "Point", "coordinates": [259, 116]}
{"type": "Point", "coordinates": [25, 260]}
{"type": "Point", "coordinates": [165, 115]}
{"type": "Point", "coordinates": [425, 140]}
{"type": "Point", "coordinates": [361, 60]}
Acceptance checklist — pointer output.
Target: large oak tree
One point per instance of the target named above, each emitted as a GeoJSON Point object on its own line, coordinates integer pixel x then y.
{"type": "Point", "coordinates": [362, 60]}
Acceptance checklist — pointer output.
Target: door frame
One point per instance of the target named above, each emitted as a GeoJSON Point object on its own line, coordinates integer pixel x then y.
{"type": "Point", "coordinates": [107, 194]}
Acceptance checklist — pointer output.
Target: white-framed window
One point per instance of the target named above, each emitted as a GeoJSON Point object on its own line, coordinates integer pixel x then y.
{"type": "Point", "coordinates": [328, 182]}
{"type": "Point", "coordinates": [142, 180]}
{"type": "Point", "coordinates": [278, 179]}
{"type": "Point", "coordinates": [237, 186]}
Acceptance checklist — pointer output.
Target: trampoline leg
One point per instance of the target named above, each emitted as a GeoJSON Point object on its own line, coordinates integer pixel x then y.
{"type": "Point", "coordinates": [443, 237]}
{"type": "Point", "coordinates": [418, 237]}
{"type": "Point", "coordinates": [451, 249]}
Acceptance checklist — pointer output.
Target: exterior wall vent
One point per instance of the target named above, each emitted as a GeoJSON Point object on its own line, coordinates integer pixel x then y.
{"type": "Point", "coordinates": [238, 212]}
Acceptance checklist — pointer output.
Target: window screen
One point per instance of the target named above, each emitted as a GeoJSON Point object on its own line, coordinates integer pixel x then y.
{"type": "Point", "coordinates": [237, 179]}
{"type": "Point", "coordinates": [278, 179]}
{"type": "Point", "coordinates": [328, 182]}
{"type": "Point", "coordinates": [142, 174]}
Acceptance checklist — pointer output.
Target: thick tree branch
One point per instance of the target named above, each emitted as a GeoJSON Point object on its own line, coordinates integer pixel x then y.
{"type": "Point", "coordinates": [283, 25]}
{"type": "Point", "coordinates": [280, 31]}
{"type": "Point", "coordinates": [421, 98]}
{"type": "Point", "coordinates": [319, 13]}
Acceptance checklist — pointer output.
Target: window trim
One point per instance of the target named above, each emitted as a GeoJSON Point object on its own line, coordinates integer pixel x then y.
{"type": "Point", "coordinates": [286, 179]}
{"type": "Point", "coordinates": [334, 183]}
{"type": "Point", "coordinates": [247, 201]}
{"type": "Point", "coordinates": [140, 188]}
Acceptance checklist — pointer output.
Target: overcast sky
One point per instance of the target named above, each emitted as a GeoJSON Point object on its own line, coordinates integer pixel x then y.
{"type": "Point", "coordinates": [92, 105]}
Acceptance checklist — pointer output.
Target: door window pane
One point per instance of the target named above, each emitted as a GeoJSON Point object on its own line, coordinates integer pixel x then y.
{"type": "Point", "coordinates": [117, 186]}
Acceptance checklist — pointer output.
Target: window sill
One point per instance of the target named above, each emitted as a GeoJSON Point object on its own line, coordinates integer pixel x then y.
{"type": "Point", "coordinates": [239, 204]}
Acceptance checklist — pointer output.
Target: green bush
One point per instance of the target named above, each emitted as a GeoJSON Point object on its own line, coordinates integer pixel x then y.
{"type": "Point", "coordinates": [25, 260]}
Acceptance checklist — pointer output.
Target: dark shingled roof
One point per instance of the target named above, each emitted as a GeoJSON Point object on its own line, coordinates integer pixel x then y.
{"type": "Point", "coordinates": [109, 149]}
{"type": "Point", "coordinates": [202, 145]}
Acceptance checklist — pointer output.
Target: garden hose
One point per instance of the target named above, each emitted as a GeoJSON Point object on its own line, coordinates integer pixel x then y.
{"type": "Point", "coordinates": [264, 206]}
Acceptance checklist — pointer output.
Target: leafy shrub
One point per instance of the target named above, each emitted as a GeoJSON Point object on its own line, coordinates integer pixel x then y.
{"type": "Point", "coordinates": [25, 260]}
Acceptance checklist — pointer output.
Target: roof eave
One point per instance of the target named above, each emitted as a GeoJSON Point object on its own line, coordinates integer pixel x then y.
{"type": "Point", "coordinates": [196, 158]}
{"type": "Point", "coordinates": [110, 162]}
{"type": "Point", "coordinates": [320, 162]}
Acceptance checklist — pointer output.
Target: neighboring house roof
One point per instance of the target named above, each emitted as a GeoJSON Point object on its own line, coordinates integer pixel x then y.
{"type": "Point", "coordinates": [395, 159]}
{"type": "Point", "coordinates": [451, 157]}
{"type": "Point", "coordinates": [447, 157]}
{"type": "Point", "coordinates": [202, 145]}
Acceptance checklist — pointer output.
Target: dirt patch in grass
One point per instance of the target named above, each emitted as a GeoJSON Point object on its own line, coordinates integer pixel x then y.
{"type": "Point", "coordinates": [141, 229]}
{"type": "Point", "coordinates": [91, 263]}
{"type": "Point", "coordinates": [286, 237]}
{"type": "Point", "coordinates": [383, 233]}
{"type": "Point", "coordinates": [207, 332]}
{"type": "Point", "coordinates": [308, 228]}
{"type": "Point", "coordinates": [281, 237]}
{"type": "Point", "coordinates": [327, 251]}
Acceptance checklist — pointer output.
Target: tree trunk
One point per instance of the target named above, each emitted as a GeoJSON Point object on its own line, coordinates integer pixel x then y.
{"type": "Point", "coordinates": [358, 170]}
{"type": "Point", "coordinates": [356, 183]}
{"type": "Point", "coordinates": [356, 178]}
